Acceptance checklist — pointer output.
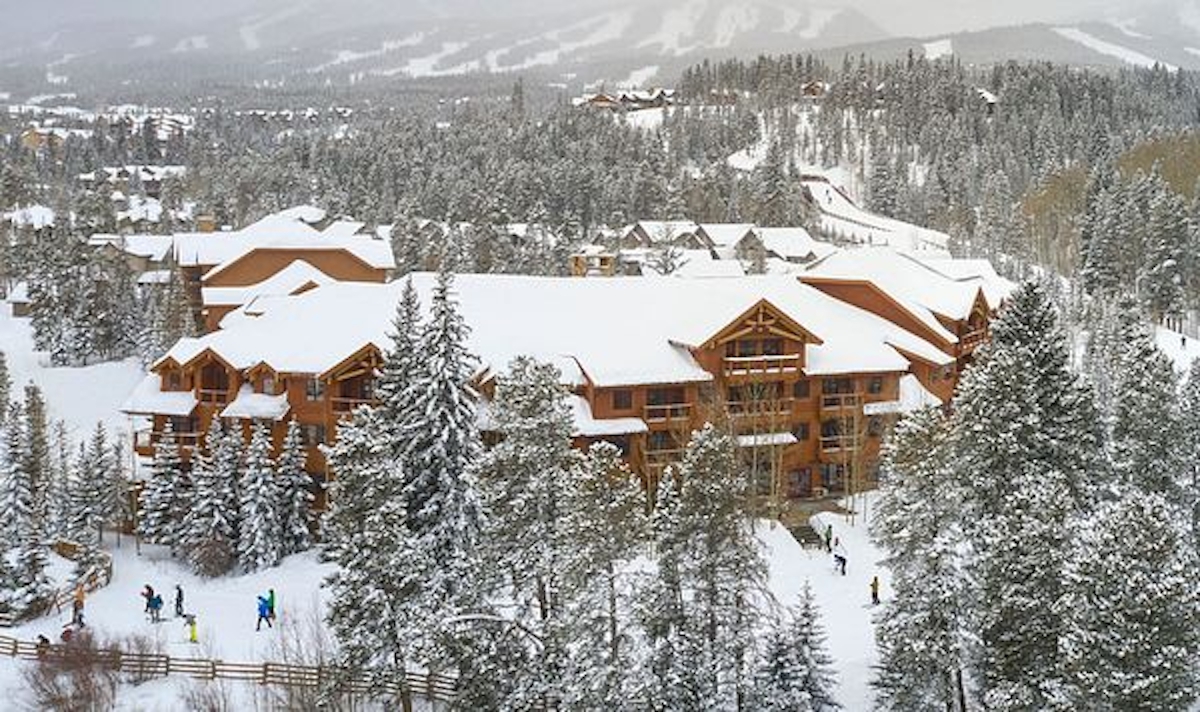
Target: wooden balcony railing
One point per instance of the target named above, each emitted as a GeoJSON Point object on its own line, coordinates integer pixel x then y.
{"type": "Point", "coordinates": [839, 443]}
{"type": "Point", "coordinates": [345, 405]}
{"type": "Point", "coordinates": [972, 339]}
{"type": "Point", "coordinates": [670, 412]}
{"type": "Point", "coordinates": [747, 365]}
{"type": "Point", "coordinates": [779, 407]}
{"type": "Point", "coordinates": [841, 401]}
{"type": "Point", "coordinates": [146, 439]}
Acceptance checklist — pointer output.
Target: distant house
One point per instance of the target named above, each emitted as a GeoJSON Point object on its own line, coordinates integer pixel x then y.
{"type": "Point", "coordinates": [654, 233]}
{"type": "Point", "coordinates": [120, 178]}
{"type": "Point", "coordinates": [37, 138]}
{"type": "Point", "coordinates": [18, 299]}
{"type": "Point", "coordinates": [627, 100]}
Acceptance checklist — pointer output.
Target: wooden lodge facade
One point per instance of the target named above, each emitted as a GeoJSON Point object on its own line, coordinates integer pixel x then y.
{"type": "Point", "coordinates": [808, 382]}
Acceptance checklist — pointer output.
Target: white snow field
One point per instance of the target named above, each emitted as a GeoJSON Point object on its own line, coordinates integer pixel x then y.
{"type": "Point", "coordinates": [80, 397]}
{"type": "Point", "coordinates": [939, 48]}
{"type": "Point", "coordinates": [1096, 44]}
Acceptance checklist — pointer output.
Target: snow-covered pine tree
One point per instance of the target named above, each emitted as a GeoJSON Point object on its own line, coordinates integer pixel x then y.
{"type": "Point", "coordinates": [668, 677]}
{"type": "Point", "coordinates": [920, 534]}
{"type": "Point", "coordinates": [86, 520]}
{"type": "Point", "coordinates": [210, 530]}
{"type": "Point", "coordinates": [606, 524]}
{"type": "Point", "coordinates": [295, 497]}
{"type": "Point", "coordinates": [114, 488]}
{"type": "Point", "coordinates": [1133, 610]}
{"type": "Point", "coordinates": [365, 529]}
{"type": "Point", "coordinates": [159, 501]}
{"type": "Point", "coordinates": [16, 491]}
{"type": "Point", "coordinates": [37, 449]}
{"type": "Point", "coordinates": [1190, 409]}
{"type": "Point", "coordinates": [524, 482]}
{"type": "Point", "coordinates": [1025, 443]}
{"type": "Point", "coordinates": [1147, 440]}
{"type": "Point", "coordinates": [5, 387]}
{"type": "Point", "coordinates": [724, 566]}
{"type": "Point", "coordinates": [796, 671]}
{"type": "Point", "coordinates": [440, 497]}
{"type": "Point", "coordinates": [59, 493]}
{"type": "Point", "coordinates": [402, 360]}
{"type": "Point", "coordinates": [259, 538]}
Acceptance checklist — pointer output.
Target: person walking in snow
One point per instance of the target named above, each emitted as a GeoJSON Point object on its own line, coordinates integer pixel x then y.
{"type": "Point", "coordinates": [829, 538]}
{"type": "Point", "coordinates": [77, 606]}
{"type": "Point", "coordinates": [264, 613]}
{"type": "Point", "coordinates": [875, 590]}
{"type": "Point", "coordinates": [271, 602]}
{"type": "Point", "coordinates": [190, 622]}
{"type": "Point", "coordinates": [178, 601]}
{"type": "Point", "coordinates": [148, 594]}
{"type": "Point", "coordinates": [839, 562]}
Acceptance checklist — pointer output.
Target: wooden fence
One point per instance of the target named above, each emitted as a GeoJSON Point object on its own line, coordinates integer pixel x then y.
{"type": "Point", "coordinates": [63, 596]}
{"type": "Point", "coordinates": [435, 688]}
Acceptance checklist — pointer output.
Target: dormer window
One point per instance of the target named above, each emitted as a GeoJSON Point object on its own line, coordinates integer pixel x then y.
{"type": "Point", "coordinates": [174, 381]}
{"type": "Point", "coordinates": [268, 385]}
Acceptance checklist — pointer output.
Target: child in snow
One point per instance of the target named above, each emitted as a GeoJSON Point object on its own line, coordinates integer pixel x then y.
{"type": "Point", "coordinates": [156, 604]}
{"type": "Point", "coordinates": [875, 590]}
{"type": "Point", "coordinates": [178, 601]}
{"type": "Point", "coordinates": [839, 562]}
{"type": "Point", "coordinates": [190, 622]}
{"type": "Point", "coordinates": [271, 602]}
{"type": "Point", "coordinates": [264, 613]}
{"type": "Point", "coordinates": [148, 594]}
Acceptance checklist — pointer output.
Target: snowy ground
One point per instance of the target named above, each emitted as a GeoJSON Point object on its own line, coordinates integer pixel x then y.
{"type": "Point", "coordinates": [844, 601]}
{"type": "Point", "coordinates": [1180, 349]}
{"type": "Point", "coordinates": [80, 397]}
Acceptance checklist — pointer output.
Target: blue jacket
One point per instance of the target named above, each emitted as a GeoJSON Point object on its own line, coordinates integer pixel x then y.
{"type": "Point", "coordinates": [264, 608]}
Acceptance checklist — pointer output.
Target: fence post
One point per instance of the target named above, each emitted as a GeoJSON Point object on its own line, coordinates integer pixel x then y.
{"type": "Point", "coordinates": [264, 673]}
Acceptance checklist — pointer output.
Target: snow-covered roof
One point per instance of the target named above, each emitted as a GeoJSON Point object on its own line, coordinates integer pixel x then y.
{"type": "Point", "coordinates": [36, 217]}
{"type": "Point", "coordinates": [663, 230]}
{"type": "Point", "coordinates": [19, 294]}
{"type": "Point", "coordinates": [343, 229]}
{"type": "Point", "coordinates": [290, 229]}
{"type": "Point", "coordinates": [585, 425]}
{"type": "Point", "coordinates": [155, 276]}
{"type": "Point", "coordinates": [151, 247]}
{"type": "Point", "coordinates": [288, 280]}
{"type": "Point", "coordinates": [144, 173]}
{"type": "Point", "coordinates": [766, 439]}
{"type": "Point", "coordinates": [913, 397]}
{"type": "Point", "coordinates": [793, 243]}
{"type": "Point", "coordinates": [996, 289]}
{"type": "Point", "coordinates": [249, 404]}
{"type": "Point", "coordinates": [726, 234]}
{"type": "Point", "coordinates": [921, 290]}
{"type": "Point", "coordinates": [148, 399]}
{"type": "Point", "coordinates": [620, 331]}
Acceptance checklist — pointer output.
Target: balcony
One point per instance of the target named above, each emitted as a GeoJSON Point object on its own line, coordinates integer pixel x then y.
{"type": "Point", "coordinates": [346, 405]}
{"type": "Point", "coordinates": [841, 401]}
{"type": "Point", "coordinates": [839, 443]}
{"type": "Point", "coordinates": [669, 413]}
{"type": "Point", "coordinates": [783, 364]}
{"type": "Point", "coordinates": [768, 408]}
{"type": "Point", "coordinates": [972, 339]}
{"type": "Point", "coordinates": [147, 439]}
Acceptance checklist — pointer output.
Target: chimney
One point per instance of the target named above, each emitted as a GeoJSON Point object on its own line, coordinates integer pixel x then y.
{"type": "Point", "coordinates": [206, 223]}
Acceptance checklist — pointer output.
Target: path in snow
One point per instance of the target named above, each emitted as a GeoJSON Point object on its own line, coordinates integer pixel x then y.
{"type": "Point", "coordinates": [1108, 48]}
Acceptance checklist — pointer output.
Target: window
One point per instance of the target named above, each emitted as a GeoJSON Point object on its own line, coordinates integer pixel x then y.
{"type": "Point", "coordinates": [620, 441]}
{"type": "Point", "coordinates": [836, 386]}
{"type": "Point", "coordinates": [268, 385]}
{"type": "Point", "coordinates": [183, 426]}
{"type": "Point", "coordinates": [314, 390]}
{"type": "Point", "coordinates": [622, 399]}
{"type": "Point", "coordinates": [772, 347]}
{"type": "Point", "coordinates": [800, 389]}
{"type": "Point", "coordinates": [312, 435]}
{"type": "Point", "coordinates": [753, 347]}
{"type": "Point", "coordinates": [801, 432]}
{"type": "Point", "coordinates": [174, 381]}
{"type": "Point", "coordinates": [875, 385]}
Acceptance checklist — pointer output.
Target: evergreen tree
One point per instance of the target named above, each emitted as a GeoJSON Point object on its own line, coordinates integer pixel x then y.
{"type": "Point", "coordinates": [796, 671]}
{"type": "Point", "coordinates": [36, 454]}
{"type": "Point", "coordinates": [1133, 610]}
{"type": "Point", "coordinates": [5, 387]}
{"type": "Point", "coordinates": [16, 497]}
{"type": "Point", "coordinates": [441, 503]}
{"type": "Point", "coordinates": [1025, 442]}
{"type": "Point", "coordinates": [86, 517]}
{"type": "Point", "coordinates": [259, 538]}
{"type": "Point", "coordinates": [922, 538]}
{"type": "Point", "coordinates": [295, 499]}
{"type": "Point", "coordinates": [1190, 408]}
{"type": "Point", "coordinates": [210, 539]}
{"type": "Point", "coordinates": [163, 493]}
{"type": "Point", "coordinates": [402, 360]}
